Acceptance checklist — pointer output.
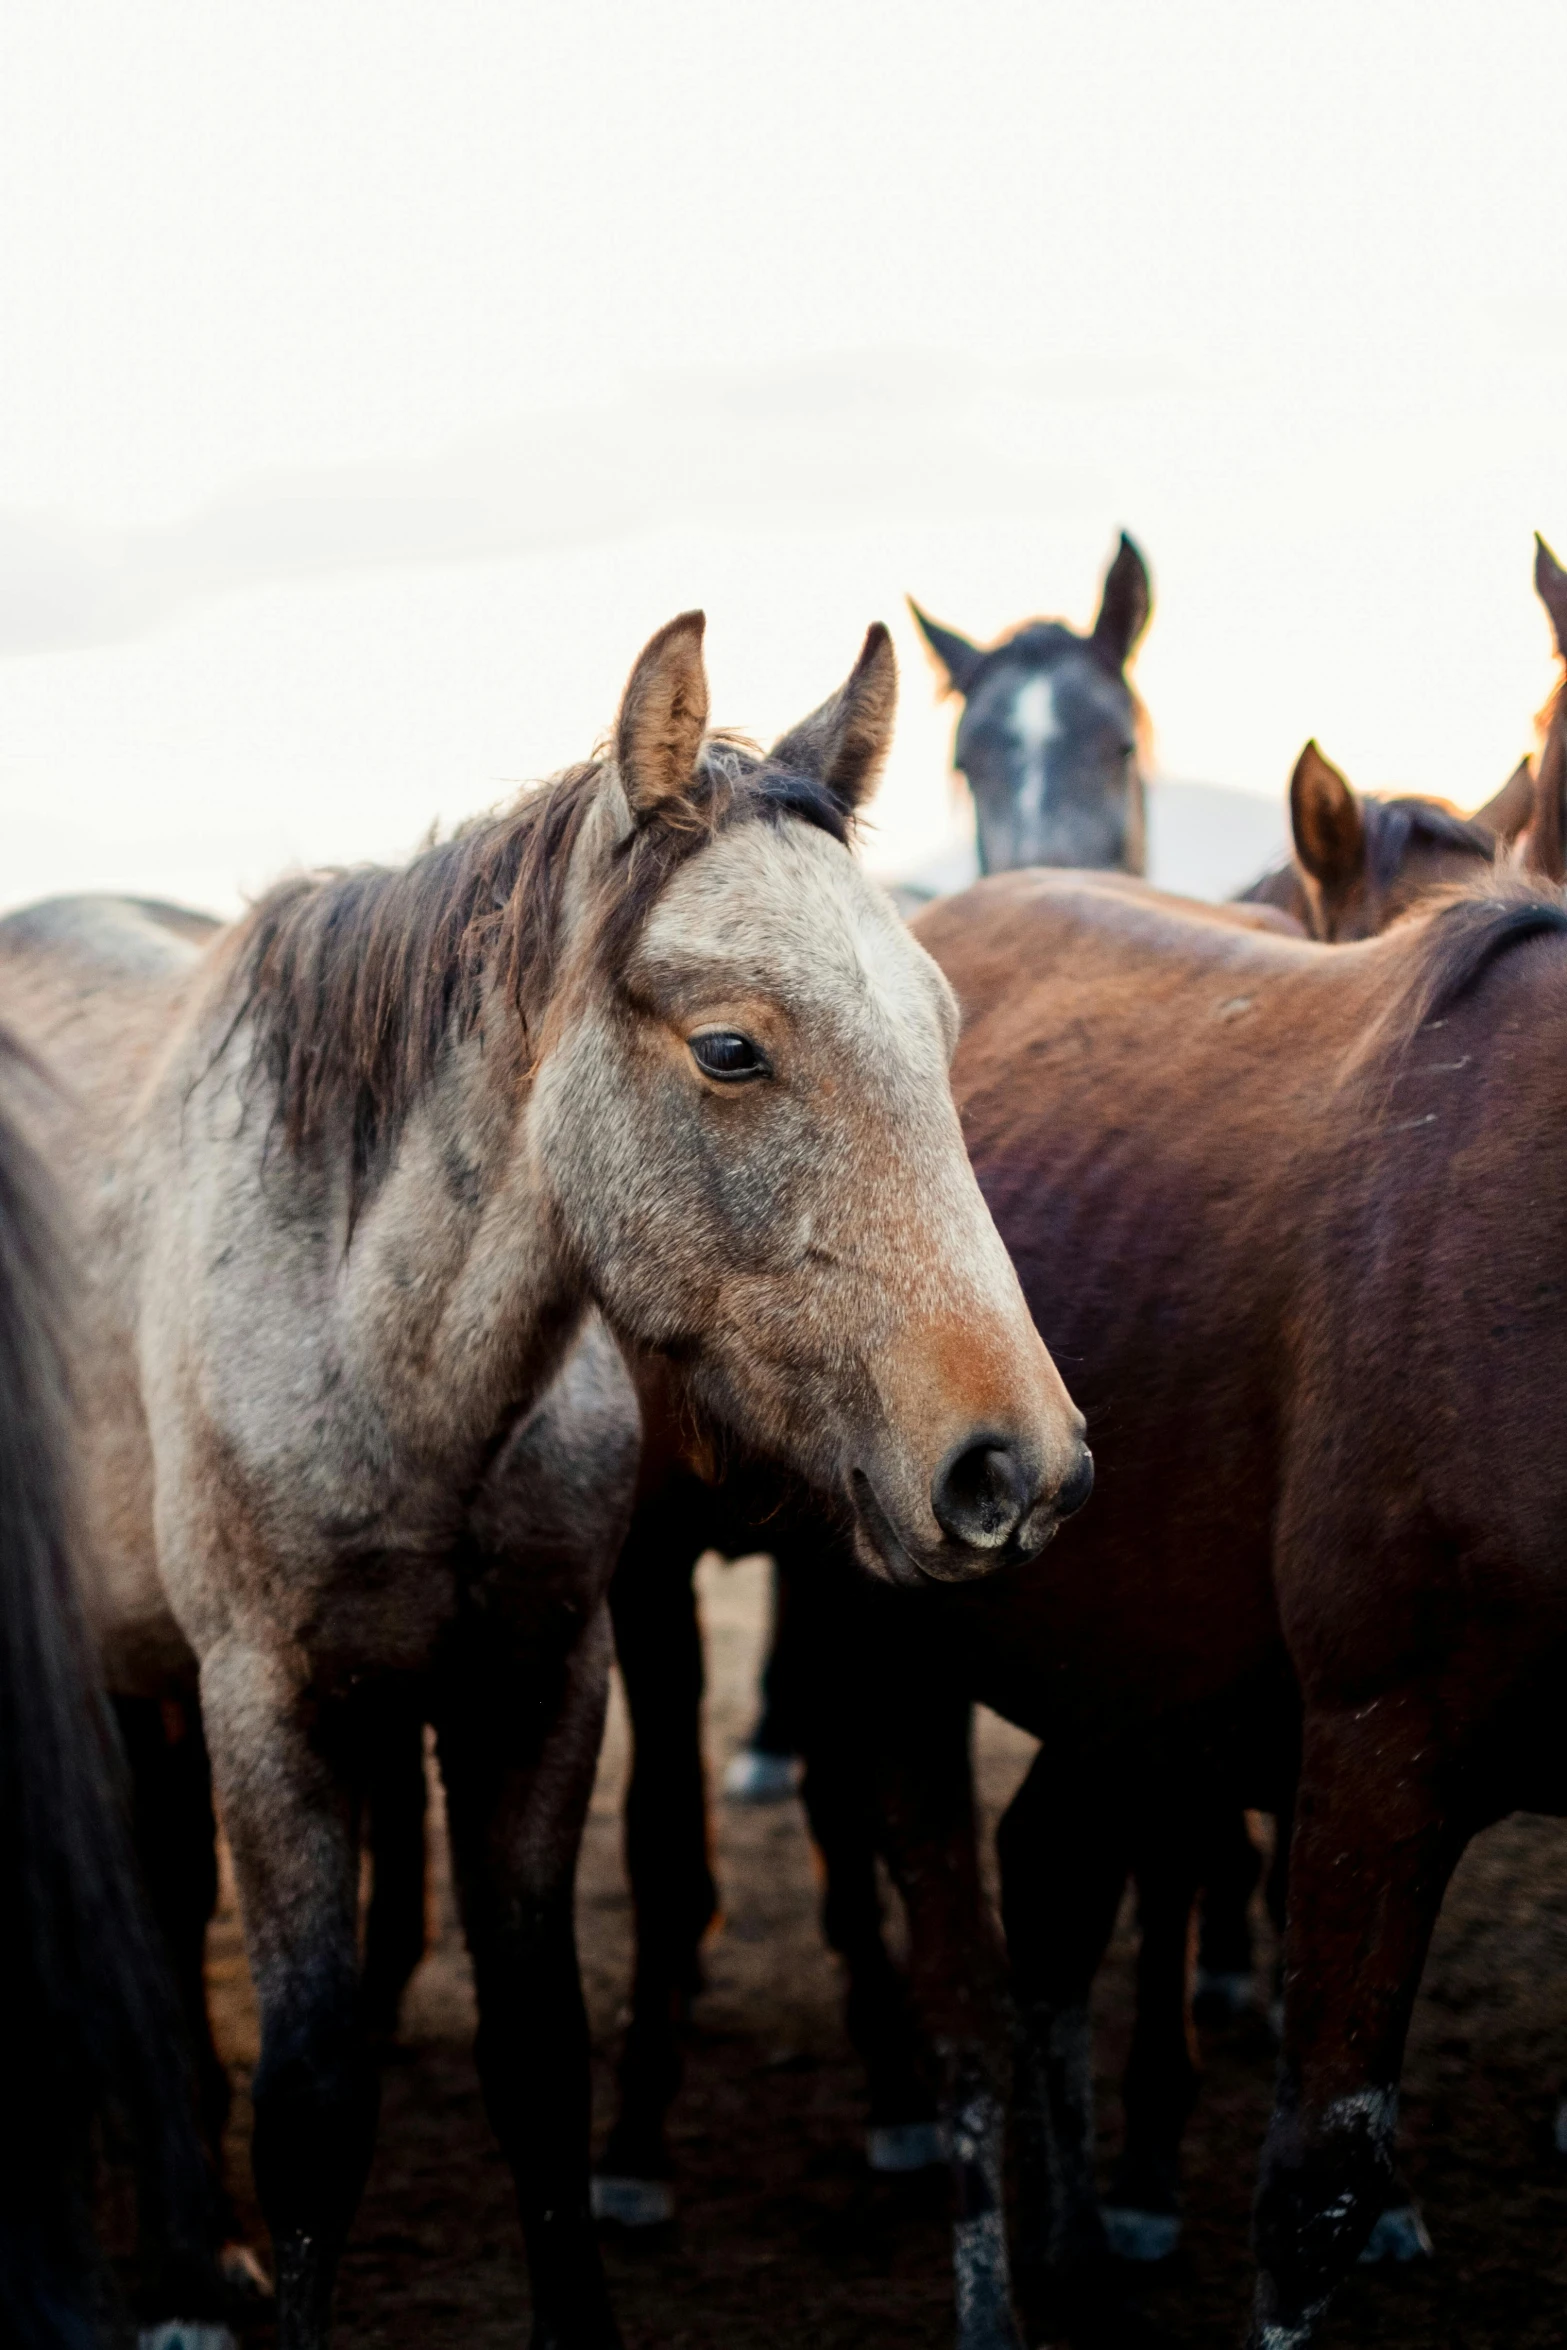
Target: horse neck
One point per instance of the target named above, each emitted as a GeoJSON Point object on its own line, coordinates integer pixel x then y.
{"type": "Point", "coordinates": [459, 1295]}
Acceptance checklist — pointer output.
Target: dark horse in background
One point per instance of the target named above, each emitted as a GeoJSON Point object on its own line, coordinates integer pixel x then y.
{"type": "Point", "coordinates": [1049, 736]}
{"type": "Point", "coordinates": [89, 2013]}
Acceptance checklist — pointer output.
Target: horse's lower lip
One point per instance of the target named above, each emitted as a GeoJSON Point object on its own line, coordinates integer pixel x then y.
{"type": "Point", "coordinates": [899, 1562]}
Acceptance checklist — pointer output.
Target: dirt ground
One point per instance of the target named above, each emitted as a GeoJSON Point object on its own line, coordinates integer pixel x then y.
{"type": "Point", "coordinates": [784, 2242]}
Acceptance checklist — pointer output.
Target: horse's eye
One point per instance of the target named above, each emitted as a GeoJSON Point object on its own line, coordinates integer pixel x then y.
{"type": "Point", "coordinates": [728, 1056]}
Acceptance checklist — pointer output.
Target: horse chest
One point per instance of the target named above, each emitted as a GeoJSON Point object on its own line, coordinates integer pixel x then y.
{"type": "Point", "coordinates": [373, 1614]}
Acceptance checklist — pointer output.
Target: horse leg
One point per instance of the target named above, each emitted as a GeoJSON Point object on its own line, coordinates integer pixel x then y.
{"type": "Point", "coordinates": [176, 1831]}
{"type": "Point", "coordinates": [1142, 2211]}
{"type": "Point", "coordinates": [838, 1791]}
{"type": "Point", "coordinates": [289, 1808]}
{"type": "Point", "coordinates": [1064, 1862]}
{"type": "Point", "coordinates": [176, 1846]}
{"type": "Point", "coordinates": [518, 1745]}
{"type": "Point", "coordinates": [765, 1769]}
{"type": "Point", "coordinates": [658, 1641]}
{"type": "Point", "coordinates": [395, 1926]}
{"type": "Point", "coordinates": [1400, 2234]}
{"type": "Point", "coordinates": [1230, 1867]}
{"type": "Point", "coordinates": [956, 1978]}
{"type": "Point", "coordinates": [1370, 1858]}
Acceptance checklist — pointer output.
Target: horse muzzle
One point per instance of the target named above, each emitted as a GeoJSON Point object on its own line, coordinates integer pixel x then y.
{"type": "Point", "coordinates": [991, 1506]}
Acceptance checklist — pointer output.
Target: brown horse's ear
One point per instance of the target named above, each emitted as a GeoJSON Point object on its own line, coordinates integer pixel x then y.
{"type": "Point", "coordinates": [663, 717]}
{"type": "Point", "coordinates": [1330, 839]}
{"type": "Point", "coordinates": [844, 743]}
{"type": "Point", "coordinates": [1124, 606]}
{"type": "Point", "coordinates": [1543, 849]}
{"type": "Point", "coordinates": [960, 661]}
{"type": "Point", "coordinates": [1550, 585]}
{"type": "Point", "coordinates": [1508, 813]}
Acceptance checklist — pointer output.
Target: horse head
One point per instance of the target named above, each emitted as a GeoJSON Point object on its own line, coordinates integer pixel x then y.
{"type": "Point", "coordinates": [1048, 738]}
{"type": "Point", "coordinates": [743, 1119]}
{"type": "Point", "coordinates": [1362, 861]}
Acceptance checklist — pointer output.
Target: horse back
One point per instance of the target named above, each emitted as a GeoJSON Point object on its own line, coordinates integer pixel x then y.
{"type": "Point", "coordinates": [94, 989]}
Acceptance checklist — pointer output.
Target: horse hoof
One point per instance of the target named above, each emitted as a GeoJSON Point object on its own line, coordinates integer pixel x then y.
{"type": "Point", "coordinates": [754, 1776]}
{"type": "Point", "coordinates": [1222, 1999]}
{"type": "Point", "coordinates": [1398, 2237]}
{"type": "Point", "coordinates": [1144, 2236]}
{"type": "Point", "coordinates": [905, 2146]}
{"type": "Point", "coordinates": [173, 2333]}
{"type": "Point", "coordinates": [243, 2274]}
{"type": "Point", "coordinates": [633, 2203]}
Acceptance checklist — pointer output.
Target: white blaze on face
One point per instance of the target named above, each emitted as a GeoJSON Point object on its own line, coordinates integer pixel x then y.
{"type": "Point", "coordinates": [1036, 727]}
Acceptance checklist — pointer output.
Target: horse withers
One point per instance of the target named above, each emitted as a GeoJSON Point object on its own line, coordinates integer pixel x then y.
{"type": "Point", "coordinates": [352, 1180]}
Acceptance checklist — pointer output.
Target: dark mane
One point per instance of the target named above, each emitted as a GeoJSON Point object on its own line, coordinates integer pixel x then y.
{"type": "Point", "coordinates": [354, 983]}
{"type": "Point", "coordinates": [1467, 931]}
{"type": "Point", "coordinates": [1391, 825]}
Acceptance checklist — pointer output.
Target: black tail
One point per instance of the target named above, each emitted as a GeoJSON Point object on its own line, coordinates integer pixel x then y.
{"type": "Point", "coordinates": [85, 2012]}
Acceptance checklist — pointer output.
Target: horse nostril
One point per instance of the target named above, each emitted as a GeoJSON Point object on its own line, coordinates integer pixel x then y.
{"type": "Point", "coordinates": [1078, 1486]}
{"type": "Point", "coordinates": [979, 1494]}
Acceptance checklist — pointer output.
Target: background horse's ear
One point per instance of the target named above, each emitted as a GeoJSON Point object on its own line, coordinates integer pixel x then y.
{"type": "Point", "coordinates": [1124, 605]}
{"type": "Point", "coordinates": [663, 717]}
{"type": "Point", "coordinates": [1508, 813]}
{"type": "Point", "coordinates": [844, 743]}
{"type": "Point", "coordinates": [1550, 585]}
{"type": "Point", "coordinates": [960, 661]}
{"type": "Point", "coordinates": [1543, 849]}
{"type": "Point", "coordinates": [1330, 839]}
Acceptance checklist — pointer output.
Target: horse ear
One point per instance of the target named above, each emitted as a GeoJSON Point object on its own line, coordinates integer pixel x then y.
{"type": "Point", "coordinates": [1330, 839]}
{"type": "Point", "coordinates": [844, 743]}
{"type": "Point", "coordinates": [960, 660]}
{"type": "Point", "coordinates": [1550, 585]}
{"type": "Point", "coordinates": [1543, 849]}
{"type": "Point", "coordinates": [1124, 605]}
{"type": "Point", "coordinates": [663, 717]}
{"type": "Point", "coordinates": [1510, 810]}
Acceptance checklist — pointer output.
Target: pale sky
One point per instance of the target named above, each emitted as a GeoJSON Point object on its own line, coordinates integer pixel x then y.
{"type": "Point", "coordinates": [375, 378]}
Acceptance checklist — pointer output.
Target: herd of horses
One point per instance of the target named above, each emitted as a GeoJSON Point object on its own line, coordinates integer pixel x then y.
{"type": "Point", "coordinates": [402, 1287]}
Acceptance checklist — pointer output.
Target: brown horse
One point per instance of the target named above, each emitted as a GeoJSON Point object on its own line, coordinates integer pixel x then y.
{"type": "Point", "coordinates": [1360, 862]}
{"type": "Point", "coordinates": [681, 1514]}
{"type": "Point", "coordinates": [351, 1182]}
{"type": "Point", "coordinates": [1303, 1169]}
{"type": "Point", "coordinates": [1183, 1127]}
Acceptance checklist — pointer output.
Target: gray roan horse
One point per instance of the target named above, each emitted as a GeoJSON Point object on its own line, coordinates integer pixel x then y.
{"type": "Point", "coordinates": [1048, 739]}
{"type": "Point", "coordinates": [351, 1182]}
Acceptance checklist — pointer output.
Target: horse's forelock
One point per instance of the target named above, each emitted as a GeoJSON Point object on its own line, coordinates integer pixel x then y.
{"type": "Point", "coordinates": [1392, 825]}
